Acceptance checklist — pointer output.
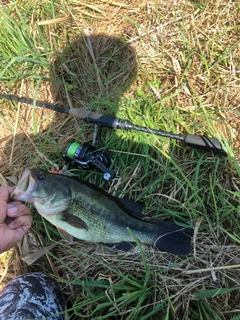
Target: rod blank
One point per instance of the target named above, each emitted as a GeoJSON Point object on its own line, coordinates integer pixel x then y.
{"type": "Point", "coordinates": [192, 140]}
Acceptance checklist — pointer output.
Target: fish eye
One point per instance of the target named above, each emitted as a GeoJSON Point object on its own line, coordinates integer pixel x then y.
{"type": "Point", "coordinates": [40, 176]}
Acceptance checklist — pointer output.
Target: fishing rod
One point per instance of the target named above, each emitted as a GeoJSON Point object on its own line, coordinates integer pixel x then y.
{"type": "Point", "coordinates": [192, 140]}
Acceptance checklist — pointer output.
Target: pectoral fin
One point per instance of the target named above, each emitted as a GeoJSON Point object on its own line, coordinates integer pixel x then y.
{"type": "Point", "coordinates": [74, 221]}
{"type": "Point", "coordinates": [65, 235]}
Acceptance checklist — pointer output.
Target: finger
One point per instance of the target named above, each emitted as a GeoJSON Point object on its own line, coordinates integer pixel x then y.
{"type": "Point", "coordinates": [12, 210]}
{"type": "Point", "coordinates": [3, 211]}
{"type": "Point", "coordinates": [12, 236]}
{"type": "Point", "coordinates": [5, 192]}
{"type": "Point", "coordinates": [21, 224]}
{"type": "Point", "coordinates": [4, 196]}
{"type": "Point", "coordinates": [17, 208]}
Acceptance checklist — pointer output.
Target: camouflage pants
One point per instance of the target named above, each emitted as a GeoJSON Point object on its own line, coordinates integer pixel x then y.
{"type": "Point", "coordinates": [32, 296]}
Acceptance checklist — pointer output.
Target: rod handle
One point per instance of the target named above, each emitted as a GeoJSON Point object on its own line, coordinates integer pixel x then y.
{"type": "Point", "coordinates": [204, 143]}
{"type": "Point", "coordinates": [100, 119]}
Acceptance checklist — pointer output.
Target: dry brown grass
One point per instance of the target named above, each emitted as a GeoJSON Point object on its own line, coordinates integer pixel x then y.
{"type": "Point", "coordinates": [181, 44]}
{"type": "Point", "coordinates": [208, 270]}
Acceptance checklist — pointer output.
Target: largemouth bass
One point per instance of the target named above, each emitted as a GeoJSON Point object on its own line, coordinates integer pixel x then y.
{"type": "Point", "coordinates": [82, 210]}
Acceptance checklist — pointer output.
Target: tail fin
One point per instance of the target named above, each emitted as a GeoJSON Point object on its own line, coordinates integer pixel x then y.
{"type": "Point", "coordinates": [174, 238]}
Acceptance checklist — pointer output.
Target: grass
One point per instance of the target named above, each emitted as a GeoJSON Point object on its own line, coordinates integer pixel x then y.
{"type": "Point", "coordinates": [161, 65]}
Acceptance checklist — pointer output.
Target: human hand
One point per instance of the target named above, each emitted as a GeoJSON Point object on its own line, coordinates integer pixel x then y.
{"type": "Point", "coordinates": [15, 220]}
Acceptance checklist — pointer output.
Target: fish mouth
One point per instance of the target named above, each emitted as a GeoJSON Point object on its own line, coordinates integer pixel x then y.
{"type": "Point", "coordinates": [25, 187]}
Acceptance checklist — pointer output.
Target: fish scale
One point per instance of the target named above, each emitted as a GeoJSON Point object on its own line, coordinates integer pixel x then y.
{"type": "Point", "coordinates": [114, 227]}
{"type": "Point", "coordinates": [88, 213]}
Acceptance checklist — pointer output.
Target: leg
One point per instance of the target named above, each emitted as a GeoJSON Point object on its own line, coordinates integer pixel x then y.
{"type": "Point", "coordinates": [34, 295]}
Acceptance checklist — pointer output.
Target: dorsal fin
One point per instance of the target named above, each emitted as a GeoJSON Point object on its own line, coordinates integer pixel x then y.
{"type": "Point", "coordinates": [133, 207]}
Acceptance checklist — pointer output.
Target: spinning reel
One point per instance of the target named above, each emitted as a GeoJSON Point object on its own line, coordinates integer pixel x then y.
{"type": "Point", "coordinates": [86, 156]}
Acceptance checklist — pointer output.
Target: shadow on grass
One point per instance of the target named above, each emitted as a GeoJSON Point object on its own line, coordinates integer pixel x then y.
{"type": "Point", "coordinates": [97, 80]}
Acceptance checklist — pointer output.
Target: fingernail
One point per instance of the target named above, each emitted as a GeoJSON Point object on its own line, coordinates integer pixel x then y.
{"type": "Point", "coordinates": [12, 210]}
